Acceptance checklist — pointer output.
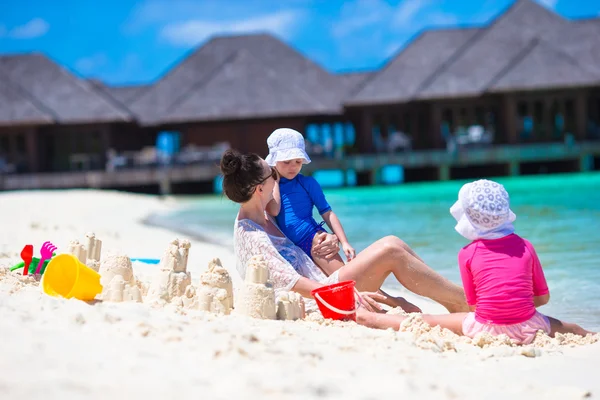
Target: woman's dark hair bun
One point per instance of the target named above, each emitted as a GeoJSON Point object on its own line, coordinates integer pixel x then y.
{"type": "Point", "coordinates": [231, 162]}
{"type": "Point", "coordinates": [241, 174]}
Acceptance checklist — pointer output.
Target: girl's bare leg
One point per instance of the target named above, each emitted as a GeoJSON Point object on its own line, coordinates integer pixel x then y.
{"type": "Point", "coordinates": [328, 266]}
{"type": "Point", "coordinates": [452, 322]}
{"type": "Point", "coordinates": [557, 326]}
{"type": "Point", "coordinates": [389, 255]}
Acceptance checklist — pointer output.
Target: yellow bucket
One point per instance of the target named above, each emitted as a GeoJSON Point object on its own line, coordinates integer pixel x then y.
{"type": "Point", "coordinates": [68, 277]}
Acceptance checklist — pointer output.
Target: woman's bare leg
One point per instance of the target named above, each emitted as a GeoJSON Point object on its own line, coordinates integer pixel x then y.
{"type": "Point", "coordinates": [389, 255]}
{"type": "Point", "coordinates": [557, 326]}
{"type": "Point", "coordinates": [452, 322]}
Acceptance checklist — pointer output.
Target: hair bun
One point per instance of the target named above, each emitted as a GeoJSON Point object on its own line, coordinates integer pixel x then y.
{"type": "Point", "coordinates": [231, 162]}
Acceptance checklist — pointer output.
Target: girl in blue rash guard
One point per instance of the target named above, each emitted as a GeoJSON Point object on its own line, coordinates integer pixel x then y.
{"type": "Point", "coordinates": [295, 197]}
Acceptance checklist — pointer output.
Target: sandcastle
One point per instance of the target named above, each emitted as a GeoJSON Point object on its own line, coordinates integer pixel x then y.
{"type": "Point", "coordinates": [88, 254]}
{"type": "Point", "coordinates": [290, 305]}
{"type": "Point", "coordinates": [215, 292]}
{"type": "Point", "coordinates": [256, 297]}
{"type": "Point", "coordinates": [172, 279]}
{"type": "Point", "coordinates": [118, 281]}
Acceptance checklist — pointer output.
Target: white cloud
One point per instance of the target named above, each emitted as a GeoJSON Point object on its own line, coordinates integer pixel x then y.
{"type": "Point", "coordinates": [368, 16]}
{"type": "Point", "coordinates": [360, 14]}
{"type": "Point", "coordinates": [408, 10]}
{"type": "Point", "coordinates": [35, 28]}
{"type": "Point", "coordinates": [191, 32]}
{"type": "Point", "coordinates": [442, 19]}
{"type": "Point", "coordinates": [366, 27]}
{"type": "Point", "coordinates": [549, 3]}
{"type": "Point", "coordinates": [115, 72]}
{"type": "Point", "coordinates": [91, 64]}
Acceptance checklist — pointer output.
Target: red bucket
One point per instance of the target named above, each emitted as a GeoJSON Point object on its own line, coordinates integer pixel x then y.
{"type": "Point", "coordinates": [337, 301]}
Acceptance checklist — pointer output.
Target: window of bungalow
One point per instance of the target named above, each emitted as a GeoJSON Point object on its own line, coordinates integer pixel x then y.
{"type": "Point", "coordinates": [350, 134]}
{"type": "Point", "coordinates": [312, 133]}
{"type": "Point", "coordinates": [95, 142]}
{"type": "Point", "coordinates": [420, 136]}
{"type": "Point", "coordinates": [525, 120]}
{"type": "Point", "coordinates": [338, 137]}
{"type": "Point", "coordinates": [408, 124]}
{"type": "Point", "coordinates": [557, 120]}
{"type": "Point", "coordinates": [377, 134]}
{"type": "Point", "coordinates": [4, 145]}
{"type": "Point", "coordinates": [539, 126]}
{"type": "Point", "coordinates": [21, 145]}
{"type": "Point", "coordinates": [447, 128]}
{"type": "Point", "coordinates": [327, 139]}
{"type": "Point", "coordinates": [593, 122]}
{"type": "Point", "coordinates": [592, 117]}
{"type": "Point", "coordinates": [570, 127]}
{"type": "Point", "coordinates": [480, 116]}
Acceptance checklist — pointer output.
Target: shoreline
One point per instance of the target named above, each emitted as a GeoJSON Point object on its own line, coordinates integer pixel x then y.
{"type": "Point", "coordinates": [140, 352]}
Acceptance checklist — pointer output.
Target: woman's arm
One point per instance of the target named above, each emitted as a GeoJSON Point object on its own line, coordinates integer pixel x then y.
{"type": "Point", "coordinates": [251, 240]}
{"type": "Point", "coordinates": [274, 205]}
{"type": "Point", "coordinates": [305, 286]}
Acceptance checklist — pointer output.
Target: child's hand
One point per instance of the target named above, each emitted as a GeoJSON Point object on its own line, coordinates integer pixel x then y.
{"type": "Point", "coordinates": [348, 251]}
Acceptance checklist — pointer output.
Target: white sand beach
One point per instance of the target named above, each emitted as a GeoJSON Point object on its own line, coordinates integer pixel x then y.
{"type": "Point", "coordinates": [53, 348]}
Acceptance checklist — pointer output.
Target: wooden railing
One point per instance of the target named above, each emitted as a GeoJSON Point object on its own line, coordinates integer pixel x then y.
{"type": "Point", "coordinates": [360, 163]}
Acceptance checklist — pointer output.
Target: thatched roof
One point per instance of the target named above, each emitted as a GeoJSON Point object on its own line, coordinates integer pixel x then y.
{"type": "Point", "coordinates": [16, 107]}
{"type": "Point", "coordinates": [216, 75]}
{"type": "Point", "coordinates": [56, 92]}
{"type": "Point", "coordinates": [527, 47]}
{"type": "Point", "coordinates": [541, 66]}
{"type": "Point", "coordinates": [352, 81]}
{"type": "Point", "coordinates": [123, 94]}
{"type": "Point", "coordinates": [402, 77]}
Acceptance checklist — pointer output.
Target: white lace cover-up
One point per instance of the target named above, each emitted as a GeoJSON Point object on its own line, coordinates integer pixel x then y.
{"type": "Point", "coordinates": [286, 261]}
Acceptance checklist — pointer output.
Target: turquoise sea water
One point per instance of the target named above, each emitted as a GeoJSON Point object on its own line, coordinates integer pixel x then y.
{"type": "Point", "coordinates": [559, 214]}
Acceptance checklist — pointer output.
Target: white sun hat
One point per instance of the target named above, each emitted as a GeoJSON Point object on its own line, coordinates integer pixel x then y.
{"type": "Point", "coordinates": [483, 211]}
{"type": "Point", "coordinates": [286, 144]}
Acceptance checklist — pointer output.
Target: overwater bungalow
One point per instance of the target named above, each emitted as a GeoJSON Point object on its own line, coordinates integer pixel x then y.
{"type": "Point", "coordinates": [518, 95]}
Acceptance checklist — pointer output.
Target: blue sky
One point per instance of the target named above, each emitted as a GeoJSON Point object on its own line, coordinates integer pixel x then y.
{"type": "Point", "coordinates": [129, 41]}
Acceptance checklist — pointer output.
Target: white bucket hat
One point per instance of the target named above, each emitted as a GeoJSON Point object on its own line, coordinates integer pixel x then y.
{"type": "Point", "coordinates": [483, 211]}
{"type": "Point", "coordinates": [286, 144]}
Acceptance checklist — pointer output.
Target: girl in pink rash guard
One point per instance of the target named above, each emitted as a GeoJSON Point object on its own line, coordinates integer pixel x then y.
{"type": "Point", "coordinates": [502, 276]}
{"type": "Point", "coordinates": [501, 273]}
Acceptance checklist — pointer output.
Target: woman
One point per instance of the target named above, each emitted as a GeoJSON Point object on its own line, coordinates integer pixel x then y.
{"type": "Point", "coordinates": [249, 181]}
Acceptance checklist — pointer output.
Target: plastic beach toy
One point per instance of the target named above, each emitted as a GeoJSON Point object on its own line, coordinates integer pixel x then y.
{"type": "Point", "coordinates": [146, 260]}
{"type": "Point", "coordinates": [34, 263]}
{"type": "Point", "coordinates": [27, 256]}
{"type": "Point", "coordinates": [68, 277]}
{"type": "Point", "coordinates": [337, 301]}
{"type": "Point", "coordinates": [46, 253]}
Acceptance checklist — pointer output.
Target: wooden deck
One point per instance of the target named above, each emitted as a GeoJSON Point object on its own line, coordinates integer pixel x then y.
{"type": "Point", "coordinates": [165, 177]}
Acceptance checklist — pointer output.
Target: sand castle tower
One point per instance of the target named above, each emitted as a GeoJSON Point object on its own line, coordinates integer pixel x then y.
{"type": "Point", "coordinates": [290, 305]}
{"type": "Point", "coordinates": [119, 284]}
{"type": "Point", "coordinates": [215, 292]}
{"type": "Point", "coordinates": [172, 278]}
{"type": "Point", "coordinates": [88, 254]}
{"type": "Point", "coordinates": [256, 297]}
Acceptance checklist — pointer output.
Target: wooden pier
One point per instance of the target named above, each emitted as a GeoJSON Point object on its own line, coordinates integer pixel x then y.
{"type": "Point", "coordinates": [509, 159]}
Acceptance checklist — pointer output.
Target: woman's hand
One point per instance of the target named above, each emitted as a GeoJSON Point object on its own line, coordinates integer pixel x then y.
{"type": "Point", "coordinates": [370, 301]}
{"type": "Point", "coordinates": [348, 251]}
{"type": "Point", "coordinates": [327, 245]}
